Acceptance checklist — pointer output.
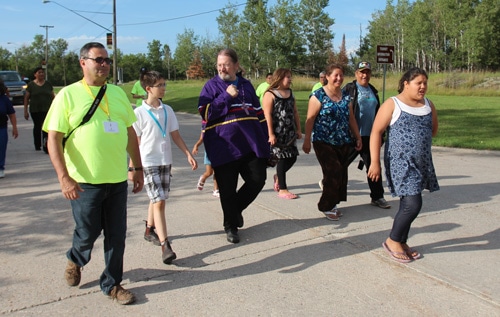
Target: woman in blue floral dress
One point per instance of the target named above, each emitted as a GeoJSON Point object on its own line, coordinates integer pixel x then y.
{"type": "Point", "coordinates": [411, 122]}
{"type": "Point", "coordinates": [331, 127]}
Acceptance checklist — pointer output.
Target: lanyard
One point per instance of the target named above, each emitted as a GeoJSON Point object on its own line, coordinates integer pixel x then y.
{"type": "Point", "coordinates": [164, 128]}
{"type": "Point", "coordinates": [106, 110]}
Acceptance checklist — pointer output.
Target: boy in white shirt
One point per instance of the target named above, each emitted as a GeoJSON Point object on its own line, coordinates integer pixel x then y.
{"type": "Point", "coordinates": [156, 124]}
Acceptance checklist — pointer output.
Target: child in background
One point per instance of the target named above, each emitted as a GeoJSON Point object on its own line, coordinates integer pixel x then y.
{"type": "Point", "coordinates": [156, 124]}
{"type": "Point", "coordinates": [209, 171]}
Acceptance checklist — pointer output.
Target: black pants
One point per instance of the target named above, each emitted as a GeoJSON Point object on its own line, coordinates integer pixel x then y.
{"type": "Point", "coordinates": [409, 208]}
{"type": "Point", "coordinates": [282, 167]}
{"type": "Point", "coordinates": [233, 200]}
{"type": "Point", "coordinates": [376, 188]}
{"type": "Point", "coordinates": [334, 163]}
{"type": "Point", "coordinates": [39, 136]}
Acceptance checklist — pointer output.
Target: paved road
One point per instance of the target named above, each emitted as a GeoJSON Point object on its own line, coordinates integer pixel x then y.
{"type": "Point", "coordinates": [291, 260]}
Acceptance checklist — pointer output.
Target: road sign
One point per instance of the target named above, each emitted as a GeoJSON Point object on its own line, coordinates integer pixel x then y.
{"type": "Point", "coordinates": [385, 54]}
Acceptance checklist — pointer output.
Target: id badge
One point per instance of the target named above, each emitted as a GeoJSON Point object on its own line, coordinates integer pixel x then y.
{"type": "Point", "coordinates": [110, 127]}
{"type": "Point", "coordinates": [163, 146]}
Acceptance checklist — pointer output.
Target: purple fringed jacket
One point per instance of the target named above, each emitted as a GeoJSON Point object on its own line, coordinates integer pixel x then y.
{"type": "Point", "coordinates": [235, 127]}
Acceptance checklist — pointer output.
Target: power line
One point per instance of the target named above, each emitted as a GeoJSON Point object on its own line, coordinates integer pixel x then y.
{"type": "Point", "coordinates": [182, 17]}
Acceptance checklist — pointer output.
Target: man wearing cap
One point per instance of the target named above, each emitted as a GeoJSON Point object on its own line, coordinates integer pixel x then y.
{"type": "Point", "coordinates": [137, 91]}
{"type": "Point", "coordinates": [366, 103]}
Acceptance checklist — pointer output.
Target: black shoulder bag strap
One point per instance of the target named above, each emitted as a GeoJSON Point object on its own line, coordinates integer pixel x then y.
{"type": "Point", "coordinates": [90, 113]}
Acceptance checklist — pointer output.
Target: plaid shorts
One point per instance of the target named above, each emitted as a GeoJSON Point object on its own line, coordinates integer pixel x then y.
{"type": "Point", "coordinates": [157, 182]}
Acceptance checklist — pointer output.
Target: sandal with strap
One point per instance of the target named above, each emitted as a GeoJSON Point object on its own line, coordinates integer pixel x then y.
{"type": "Point", "coordinates": [412, 253]}
{"type": "Point", "coordinates": [200, 183]}
{"type": "Point", "coordinates": [400, 257]}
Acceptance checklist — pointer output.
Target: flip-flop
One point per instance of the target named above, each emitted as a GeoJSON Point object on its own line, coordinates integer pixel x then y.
{"type": "Point", "coordinates": [412, 253]}
{"type": "Point", "coordinates": [276, 184]}
{"type": "Point", "coordinates": [396, 256]}
{"type": "Point", "coordinates": [288, 196]}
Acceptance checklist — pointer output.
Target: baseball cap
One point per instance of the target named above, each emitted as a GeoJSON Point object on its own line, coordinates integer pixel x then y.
{"type": "Point", "coordinates": [364, 65]}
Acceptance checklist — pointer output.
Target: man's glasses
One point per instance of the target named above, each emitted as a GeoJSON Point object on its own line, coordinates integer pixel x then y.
{"type": "Point", "coordinates": [101, 60]}
{"type": "Point", "coordinates": [160, 85]}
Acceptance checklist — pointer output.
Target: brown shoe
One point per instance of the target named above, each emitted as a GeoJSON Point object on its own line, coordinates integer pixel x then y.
{"type": "Point", "coordinates": [150, 235]}
{"type": "Point", "coordinates": [167, 254]}
{"type": "Point", "coordinates": [73, 274]}
{"type": "Point", "coordinates": [121, 295]}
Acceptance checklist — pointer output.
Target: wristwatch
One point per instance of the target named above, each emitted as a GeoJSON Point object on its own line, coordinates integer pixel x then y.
{"type": "Point", "coordinates": [131, 169]}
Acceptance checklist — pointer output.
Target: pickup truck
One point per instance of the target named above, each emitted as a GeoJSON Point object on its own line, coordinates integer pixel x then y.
{"type": "Point", "coordinates": [15, 84]}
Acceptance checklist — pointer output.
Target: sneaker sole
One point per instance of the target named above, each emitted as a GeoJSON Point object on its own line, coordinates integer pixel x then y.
{"type": "Point", "coordinates": [379, 206]}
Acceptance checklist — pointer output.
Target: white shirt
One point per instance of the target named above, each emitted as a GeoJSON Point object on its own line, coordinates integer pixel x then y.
{"type": "Point", "coordinates": [401, 106]}
{"type": "Point", "coordinates": [155, 148]}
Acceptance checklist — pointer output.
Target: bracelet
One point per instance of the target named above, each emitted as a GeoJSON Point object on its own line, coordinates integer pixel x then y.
{"type": "Point", "coordinates": [131, 169]}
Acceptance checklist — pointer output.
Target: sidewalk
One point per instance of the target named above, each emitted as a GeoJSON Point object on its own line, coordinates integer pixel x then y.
{"type": "Point", "coordinates": [291, 261]}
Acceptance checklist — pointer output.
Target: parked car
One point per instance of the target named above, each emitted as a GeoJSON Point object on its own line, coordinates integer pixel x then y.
{"type": "Point", "coordinates": [15, 84]}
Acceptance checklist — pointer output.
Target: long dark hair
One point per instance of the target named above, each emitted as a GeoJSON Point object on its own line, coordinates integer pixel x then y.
{"type": "Point", "coordinates": [409, 76]}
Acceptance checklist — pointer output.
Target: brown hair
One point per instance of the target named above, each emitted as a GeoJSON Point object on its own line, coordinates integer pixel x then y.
{"type": "Point", "coordinates": [409, 76]}
{"type": "Point", "coordinates": [230, 53]}
{"type": "Point", "coordinates": [278, 76]}
{"type": "Point", "coordinates": [331, 67]}
{"type": "Point", "coordinates": [149, 78]}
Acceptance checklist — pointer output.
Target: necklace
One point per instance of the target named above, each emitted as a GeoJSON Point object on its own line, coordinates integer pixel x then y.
{"type": "Point", "coordinates": [334, 95]}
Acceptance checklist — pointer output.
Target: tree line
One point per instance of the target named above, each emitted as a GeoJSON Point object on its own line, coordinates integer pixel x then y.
{"type": "Point", "coordinates": [437, 35]}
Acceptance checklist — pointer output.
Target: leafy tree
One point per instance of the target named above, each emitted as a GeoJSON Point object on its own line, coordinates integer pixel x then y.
{"type": "Point", "coordinates": [155, 56]}
{"type": "Point", "coordinates": [253, 37]}
{"type": "Point", "coordinates": [286, 47]}
{"type": "Point", "coordinates": [167, 59]}
{"type": "Point", "coordinates": [484, 35]}
{"type": "Point", "coordinates": [131, 65]}
{"type": "Point", "coordinates": [316, 32]}
{"type": "Point", "coordinates": [227, 21]}
{"type": "Point", "coordinates": [184, 53]}
{"type": "Point", "coordinates": [195, 70]}
{"type": "Point", "coordinates": [7, 59]}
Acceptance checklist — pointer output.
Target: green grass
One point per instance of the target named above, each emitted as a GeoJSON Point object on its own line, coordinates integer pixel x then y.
{"type": "Point", "coordinates": [468, 112]}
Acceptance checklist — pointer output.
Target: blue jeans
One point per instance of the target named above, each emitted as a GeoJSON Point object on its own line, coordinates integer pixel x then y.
{"type": "Point", "coordinates": [4, 138]}
{"type": "Point", "coordinates": [101, 207]}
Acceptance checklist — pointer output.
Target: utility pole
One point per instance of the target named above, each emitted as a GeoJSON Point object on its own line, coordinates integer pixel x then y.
{"type": "Point", "coordinates": [46, 49]}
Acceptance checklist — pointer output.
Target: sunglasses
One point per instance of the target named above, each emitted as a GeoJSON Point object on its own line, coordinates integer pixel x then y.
{"type": "Point", "coordinates": [101, 60]}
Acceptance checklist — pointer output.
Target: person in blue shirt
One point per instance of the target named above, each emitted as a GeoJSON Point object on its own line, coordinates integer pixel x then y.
{"type": "Point", "coordinates": [366, 103]}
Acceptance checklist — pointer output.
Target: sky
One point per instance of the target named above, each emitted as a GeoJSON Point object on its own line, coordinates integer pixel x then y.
{"type": "Point", "coordinates": [140, 22]}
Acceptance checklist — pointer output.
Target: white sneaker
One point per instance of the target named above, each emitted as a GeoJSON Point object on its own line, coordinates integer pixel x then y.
{"type": "Point", "coordinates": [2, 173]}
{"type": "Point", "coordinates": [216, 193]}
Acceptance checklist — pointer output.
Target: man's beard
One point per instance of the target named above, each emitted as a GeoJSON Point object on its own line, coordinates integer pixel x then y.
{"type": "Point", "coordinates": [225, 76]}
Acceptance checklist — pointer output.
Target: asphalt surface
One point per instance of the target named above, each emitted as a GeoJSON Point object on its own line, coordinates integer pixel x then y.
{"type": "Point", "coordinates": [291, 260]}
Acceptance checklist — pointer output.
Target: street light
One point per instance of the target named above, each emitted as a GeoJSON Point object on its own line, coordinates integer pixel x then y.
{"type": "Point", "coordinates": [105, 28]}
{"type": "Point", "coordinates": [46, 50]}
{"type": "Point", "coordinates": [15, 55]}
